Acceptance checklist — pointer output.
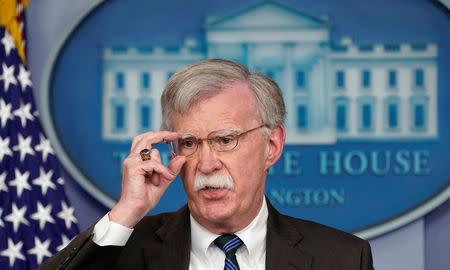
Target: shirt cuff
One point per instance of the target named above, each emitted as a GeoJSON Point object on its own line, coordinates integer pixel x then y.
{"type": "Point", "coordinates": [109, 233]}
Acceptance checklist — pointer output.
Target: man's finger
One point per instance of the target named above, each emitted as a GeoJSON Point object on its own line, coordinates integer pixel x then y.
{"type": "Point", "coordinates": [146, 140]}
{"type": "Point", "coordinates": [176, 164]}
{"type": "Point", "coordinates": [157, 168]}
{"type": "Point", "coordinates": [155, 179]}
{"type": "Point", "coordinates": [162, 136]}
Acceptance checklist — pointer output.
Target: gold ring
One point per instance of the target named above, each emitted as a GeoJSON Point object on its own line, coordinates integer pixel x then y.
{"type": "Point", "coordinates": [145, 154]}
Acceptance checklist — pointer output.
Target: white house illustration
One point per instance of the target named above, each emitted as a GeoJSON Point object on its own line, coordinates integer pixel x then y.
{"type": "Point", "coordinates": [333, 91]}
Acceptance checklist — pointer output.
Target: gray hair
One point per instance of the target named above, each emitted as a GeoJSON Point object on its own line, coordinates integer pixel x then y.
{"type": "Point", "coordinates": [207, 78]}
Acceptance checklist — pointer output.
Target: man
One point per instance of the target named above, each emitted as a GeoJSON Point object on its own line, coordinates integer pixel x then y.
{"type": "Point", "coordinates": [227, 125]}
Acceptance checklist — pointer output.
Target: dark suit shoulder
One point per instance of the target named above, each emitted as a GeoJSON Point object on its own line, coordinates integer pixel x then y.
{"type": "Point", "coordinates": [331, 247]}
{"type": "Point", "coordinates": [316, 246]}
{"type": "Point", "coordinates": [323, 232]}
{"type": "Point", "coordinates": [310, 231]}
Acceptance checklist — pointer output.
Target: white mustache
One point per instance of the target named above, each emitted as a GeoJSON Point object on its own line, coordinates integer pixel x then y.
{"type": "Point", "coordinates": [216, 180]}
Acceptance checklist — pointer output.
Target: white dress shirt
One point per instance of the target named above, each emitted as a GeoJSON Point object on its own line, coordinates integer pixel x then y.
{"type": "Point", "coordinates": [204, 253]}
{"type": "Point", "coordinates": [110, 233]}
{"type": "Point", "coordinates": [252, 255]}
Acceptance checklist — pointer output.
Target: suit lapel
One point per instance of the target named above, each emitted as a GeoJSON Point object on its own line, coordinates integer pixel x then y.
{"type": "Point", "coordinates": [175, 235]}
{"type": "Point", "coordinates": [283, 244]}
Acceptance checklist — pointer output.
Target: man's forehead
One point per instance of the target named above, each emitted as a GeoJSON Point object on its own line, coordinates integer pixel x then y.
{"type": "Point", "coordinates": [230, 108]}
{"type": "Point", "coordinates": [236, 89]}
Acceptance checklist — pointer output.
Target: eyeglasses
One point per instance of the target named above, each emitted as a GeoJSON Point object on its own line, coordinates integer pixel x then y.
{"type": "Point", "coordinates": [219, 140]}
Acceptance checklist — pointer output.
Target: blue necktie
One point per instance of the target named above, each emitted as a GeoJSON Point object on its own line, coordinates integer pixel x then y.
{"type": "Point", "coordinates": [229, 244]}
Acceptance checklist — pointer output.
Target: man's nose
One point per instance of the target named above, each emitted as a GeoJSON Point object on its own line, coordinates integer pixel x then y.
{"type": "Point", "coordinates": [207, 160]}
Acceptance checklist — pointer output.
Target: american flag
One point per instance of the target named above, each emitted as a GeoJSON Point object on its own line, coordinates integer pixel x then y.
{"type": "Point", "coordinates": [36, 219]}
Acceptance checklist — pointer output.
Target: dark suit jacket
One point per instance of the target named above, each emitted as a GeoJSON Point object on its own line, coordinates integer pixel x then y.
{"type": "Point", "coordinates": [163, 242]}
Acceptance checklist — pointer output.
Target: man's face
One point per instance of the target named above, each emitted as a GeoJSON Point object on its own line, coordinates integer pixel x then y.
{"type": "Point", "coordinates": [225, 210]}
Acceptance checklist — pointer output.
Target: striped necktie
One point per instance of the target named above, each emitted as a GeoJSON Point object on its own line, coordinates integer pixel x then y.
{"type": "Point", "coordinates": [229, 244]}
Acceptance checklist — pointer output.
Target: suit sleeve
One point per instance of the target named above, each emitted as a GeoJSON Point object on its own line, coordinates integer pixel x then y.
{"type": "Point", "coordinates": [83, 253]}
{"type": "Point", "coordinates": [366, 257]}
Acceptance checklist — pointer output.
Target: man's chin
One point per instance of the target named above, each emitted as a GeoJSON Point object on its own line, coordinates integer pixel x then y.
{"type": "Point", "coordinates": [216, 218]}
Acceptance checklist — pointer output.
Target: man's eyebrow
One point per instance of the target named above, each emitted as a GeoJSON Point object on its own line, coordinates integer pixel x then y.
{"type": "Point", "coordinates": [221, 132]}
{"type": "Point", "coordinates": [226, 132]}
{"type": "Point", "coordinates": [186, 135]}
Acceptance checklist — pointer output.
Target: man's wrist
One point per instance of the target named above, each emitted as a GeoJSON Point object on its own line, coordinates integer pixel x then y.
{"type": "Point", "coordinates": [125, 216]}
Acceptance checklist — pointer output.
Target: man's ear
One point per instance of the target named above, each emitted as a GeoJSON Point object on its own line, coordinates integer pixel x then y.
{"type": "Point", "coordinates": [276, 144]}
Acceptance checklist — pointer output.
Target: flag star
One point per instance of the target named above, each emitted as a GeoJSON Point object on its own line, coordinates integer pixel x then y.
{"type": "Point", "coordinates": [8, 42]}
{"type": "Point", "coordinates": [65, 242]}
{"type": "Point", "coordinates": [44, 180]}
{"type": "Point", "coordinates": [13, 252]}
{"type": "Point", "coordinates": [67, 214]}
{"type": "Point", "coordinates": [5, 112]}
{"type": "Point", "coordinates": [40, 249]}
{"type": "Point", "coordinates": [24, 146]}
{"type": "Point", "coordinates": [21, 181]}
{"type": "Point", "coordinates": [43, 215]}
{"type": "Point", "coordinates": [4, 148]}
{"type": "Point", "coordinates": [24, 77]}
{"type": "Point", "coordinates": [60, 181]}
{"type": "Point", "coordinates": [17, 216]}
{"type": "Point", "coordinates": [44, 147]}
{"type": "Point", "coordinates": [1, 220]}
{"type": "Point", "coordinates": [3, 185]}
{"type": "Point", "coordinates": [24, 113]}
{"type": "Point", "coordinates": [8, 76]}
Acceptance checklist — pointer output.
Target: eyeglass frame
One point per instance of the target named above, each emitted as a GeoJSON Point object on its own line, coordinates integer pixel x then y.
{"type": "Point", "coordinates": [210, 140]}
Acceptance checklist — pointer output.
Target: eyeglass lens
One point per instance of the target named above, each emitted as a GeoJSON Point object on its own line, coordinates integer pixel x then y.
{"type": "Point", "coordinates": [188, 145]}
{"type": "Point", "coordinates": [220, 141]}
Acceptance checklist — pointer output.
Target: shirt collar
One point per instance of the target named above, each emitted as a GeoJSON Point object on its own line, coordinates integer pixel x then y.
{"type": "Point", "coordinates": [253, 236]}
